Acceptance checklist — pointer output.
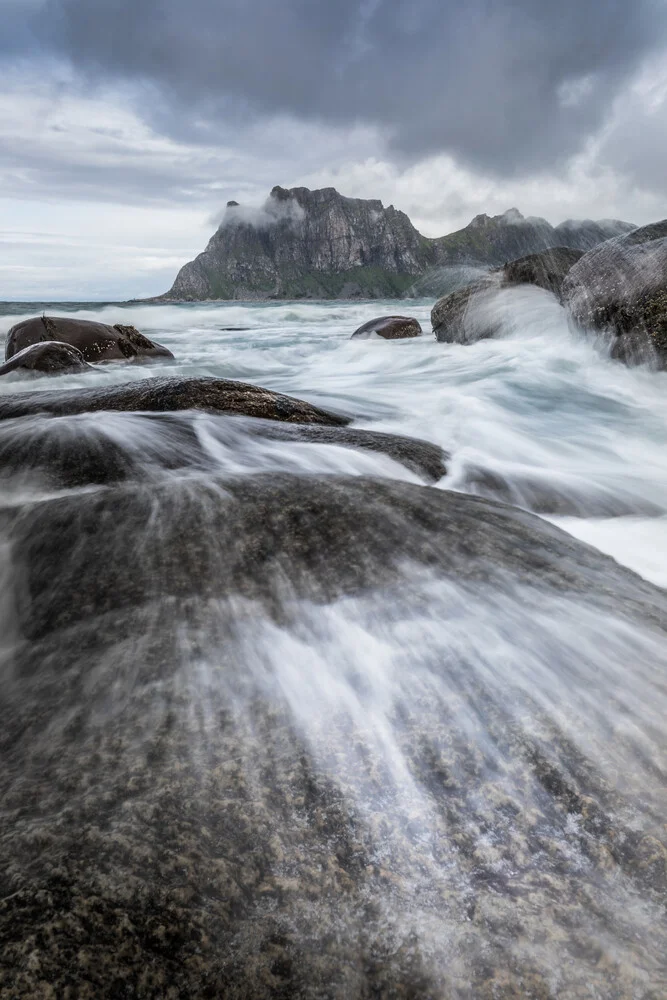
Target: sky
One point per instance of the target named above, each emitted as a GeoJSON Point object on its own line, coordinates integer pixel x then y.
{"type": "Point", "coordinates": [126, 125]}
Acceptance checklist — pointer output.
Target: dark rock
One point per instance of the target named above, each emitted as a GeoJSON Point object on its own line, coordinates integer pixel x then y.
{"type": "Point", "coordinates": [51, 357]}
{"type": "Point", "coordinates": [621, 287]}
{"type": "Point", "coordinates": [422, 457]}
{"type": "Point", "coordinates": [546, 269]}
{"type": "Point", "coordinates": [216, 395]}
{"type": "Point", "coordinates": [389, 327]}
{"type": "Point", "coordinates": [244, 537]}
{"type": "Point", "coordinates": [170, 829]}
{"type": "Point", "coordinates": [465, 316]}
{"type": "Point", "coordinates": [78, 450]}
{"type": "Point", "coordinates": [95, 341]}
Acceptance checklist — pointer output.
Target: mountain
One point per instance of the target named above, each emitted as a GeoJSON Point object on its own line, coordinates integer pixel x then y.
{"type": "Point", "coordinates": [319, 244]}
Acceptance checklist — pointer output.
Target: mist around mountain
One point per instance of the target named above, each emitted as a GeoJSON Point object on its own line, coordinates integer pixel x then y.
{"type": "Point", "coordinates": [322, 245]}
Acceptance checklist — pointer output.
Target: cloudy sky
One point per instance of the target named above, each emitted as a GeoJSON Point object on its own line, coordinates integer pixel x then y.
{"type": "Point", "coordinates": [125, 125]}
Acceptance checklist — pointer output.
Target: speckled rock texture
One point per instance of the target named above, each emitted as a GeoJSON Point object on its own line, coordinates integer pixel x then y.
{"type": "Point", "coordinates": [621, 287]}
{"type": "Point", "coordinates": [95, 341]}
{"type": "Point", "coordinates": [182, 816]}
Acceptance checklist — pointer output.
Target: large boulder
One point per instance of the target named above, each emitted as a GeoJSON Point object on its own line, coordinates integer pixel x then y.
{"type": "Point", "coordinates": [96, 341]}
{"type": "Point", "coordinates": [48, 358]}
{"type": "Point", "coordinates": [546, 269]}
{"type": "Point", "coordinates": [212, 788]}
{"type": "Point", "coordinates": [389, 327]}
{"type": "Point", "coordinates": [466, 315]}
{"type": "Point", "coordinates": [620, 287]}
{"type": "Point", "coordinates": [217, 395]}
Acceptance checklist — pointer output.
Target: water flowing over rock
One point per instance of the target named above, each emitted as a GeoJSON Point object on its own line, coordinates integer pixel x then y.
{"type": "Point", "coordinates": [80, 450]}
{"type": "Point", "coordinates": [95, 341]}
{"type": "Point", "coordinates": [319, 244]}
{"type": "Point", "coordinates": [465, 316]}
{"type": "Point", "coordinates": [621, 287]}
{"type": "Point", "coordinates": [206, 801]}
{"type": "Point", "coordinates": [389, 328]}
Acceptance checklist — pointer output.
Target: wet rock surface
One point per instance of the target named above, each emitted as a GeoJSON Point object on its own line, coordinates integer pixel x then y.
{"type": "Point", "coordinates": [168, 394]}
{"type": "Point", "coordinates": [546, 269]}
{"type": "Point", "coordinates": [621, 287]}
{"type": "Point", "coordinates": [95, 341]}
{"type": "Point", "coordinates": [565, 495]}
{"type": "Point", "coordinates": [389, 328]}
{"type": "Point", "coordinates": [48, 358]}
{"type": "Point", "coordinates": [174, 825]}
{"type": "Point", "coordinates": [464, 316]}
{"type": "Point", "coordinates": [79, 451]}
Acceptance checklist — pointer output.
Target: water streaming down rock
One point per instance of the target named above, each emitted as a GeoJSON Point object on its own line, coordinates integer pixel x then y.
{"type": "Point", "coordinates": [279, 720]}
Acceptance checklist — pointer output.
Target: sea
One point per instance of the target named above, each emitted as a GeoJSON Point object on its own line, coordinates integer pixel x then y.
{"type": "Point", "coordinates": [540, 406]}
{"type": "Point", "coordinates": [484, 806]}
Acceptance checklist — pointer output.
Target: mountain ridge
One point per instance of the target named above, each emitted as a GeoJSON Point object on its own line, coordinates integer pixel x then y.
{"type": "Point", "coordinates": [321, 244]}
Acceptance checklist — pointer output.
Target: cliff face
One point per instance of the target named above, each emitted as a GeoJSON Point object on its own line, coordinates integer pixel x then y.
{"type": "Point", "coordinates": [318, 244]}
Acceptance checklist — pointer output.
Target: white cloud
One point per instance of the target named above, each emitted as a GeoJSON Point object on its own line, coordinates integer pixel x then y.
{"type": "Point", "coordinates": [98, 204]}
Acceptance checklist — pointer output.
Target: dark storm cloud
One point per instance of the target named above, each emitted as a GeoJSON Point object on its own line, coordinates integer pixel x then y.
{"type": "Point", "coordinates": [511, 86]}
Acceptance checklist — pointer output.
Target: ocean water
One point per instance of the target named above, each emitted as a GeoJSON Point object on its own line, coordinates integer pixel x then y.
{"type": "Point", "coordinates": [491, 819]}
{"type": "Point", "coordinates": [540, 406]}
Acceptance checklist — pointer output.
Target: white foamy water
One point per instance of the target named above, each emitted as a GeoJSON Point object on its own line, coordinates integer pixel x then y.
{"type": "Point", "coordinates": [541, 407]}
{"type": "Point", "coordinates": [498, 747]}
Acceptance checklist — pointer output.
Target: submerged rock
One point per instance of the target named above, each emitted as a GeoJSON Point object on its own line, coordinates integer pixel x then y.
{"type": "Point", "coordinates": [464, 316]}
{"type": "Point", "coordinates": [95, 341]}
{"type": "Point", "coordinates": [546, 269]}
{"type": "Point", "coordinates": [561, 495]}
{"type": "Point", "coordinates": [217, 395]}
{"type": "Point", "coordinates": [389, 327]}
{"type": "Point", "coordinates": [621, 287]}
{"type": "Point", "coordinates": [48, 358]}
{"type": "Point", "coordinates": [212, 789]}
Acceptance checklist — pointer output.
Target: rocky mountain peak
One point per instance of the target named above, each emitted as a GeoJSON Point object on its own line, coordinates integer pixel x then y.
{"type": "Point", "coordinates": [321, 244]}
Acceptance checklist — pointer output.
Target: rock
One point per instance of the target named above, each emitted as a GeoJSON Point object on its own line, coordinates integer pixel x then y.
{"type": "Point", "coordinates": [190, 808]}
{"type": "Point", "coordinates": [51, 357]}
{"type": "Point", "coordinates": [80, 450]}
{"type": "Point", "coordinates": [330, 535]}
{"type": "Point", "coordinates": [217, 395]}
{"type": "Point", "coordinates": [465, 316]}
{"type": "Point", "coordinates": [389, 327]}
{"type": "Point", "coordinates": [95, 341]}
{"type": "Point", "coordinates": [621, 287]}
{"type": "Point", "coordinates": [546, 269]}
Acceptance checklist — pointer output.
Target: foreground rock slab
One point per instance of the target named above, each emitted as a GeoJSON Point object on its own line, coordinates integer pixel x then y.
{"type": "Point", "coordinates": [216, 395]}
{"type": "Point", "coordinates": [389, 328]}
{"type": "Point", "coordinates": [96, 341]}
{"type": "Point", "coordinates": [181, 818]}
{"type": "Point", "coordinates": [620, 287]}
